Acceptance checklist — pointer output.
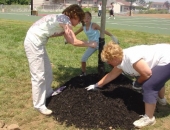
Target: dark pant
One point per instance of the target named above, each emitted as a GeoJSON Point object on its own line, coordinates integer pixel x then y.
{"type": "Point", "coordinates": [160, 75]}
{"type": "Point", "coordinates": [99, 13]}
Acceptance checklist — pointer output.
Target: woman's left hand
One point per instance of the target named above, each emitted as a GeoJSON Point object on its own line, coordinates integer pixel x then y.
{"type": "Point", "coordinates": [93, 44]}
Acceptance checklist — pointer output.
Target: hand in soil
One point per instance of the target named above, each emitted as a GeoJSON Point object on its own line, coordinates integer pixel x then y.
{"type": "Point", "coordinates": [92, 87]}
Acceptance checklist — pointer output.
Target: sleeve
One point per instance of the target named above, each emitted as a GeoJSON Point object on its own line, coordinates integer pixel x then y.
{"type": "Point", "coordinates": [135, 54]}
{"type": "Point", "coordinates": [63, 19]}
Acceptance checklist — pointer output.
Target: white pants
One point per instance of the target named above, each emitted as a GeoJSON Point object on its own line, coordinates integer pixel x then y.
{"type": "Point", "coordinates": [41, 73]}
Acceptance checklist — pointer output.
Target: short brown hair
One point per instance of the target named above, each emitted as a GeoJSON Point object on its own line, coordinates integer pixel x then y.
{"type": "Point", "coordinates": [110, 51]}
{"type": "Point", "coordinates": [74, 11]}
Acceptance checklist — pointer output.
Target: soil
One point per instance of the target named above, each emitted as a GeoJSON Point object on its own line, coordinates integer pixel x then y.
{"type": "Point", "coordinates": [116, 106]}
{"type": "Point", "coordinates": [154, 15]}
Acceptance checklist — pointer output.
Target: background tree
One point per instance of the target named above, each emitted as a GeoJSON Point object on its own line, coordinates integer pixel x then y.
{"type": "Point", "coordinates": [142, 2]}
{"type": "Point", "coordinates": [167, 4]}
{"type": "Point", "coordinates": [58, 1]}
{"type": "Point", "coordinates": [149, 5]}
{"type": "Point", "coordinates": [2, 2]}
{"type": "Point", "coordinates": [9, 2]}
{"type": "Point", "coordinates": [131, 2]}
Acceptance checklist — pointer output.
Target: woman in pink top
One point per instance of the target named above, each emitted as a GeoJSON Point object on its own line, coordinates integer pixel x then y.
{"type": "Point", "coordinates": [52, 25]}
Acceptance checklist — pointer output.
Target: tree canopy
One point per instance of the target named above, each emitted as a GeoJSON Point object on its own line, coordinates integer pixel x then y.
{"type": "Point", "coordinates": [21, 2]}
{"type": "Point", "coordinates": [167, 4]}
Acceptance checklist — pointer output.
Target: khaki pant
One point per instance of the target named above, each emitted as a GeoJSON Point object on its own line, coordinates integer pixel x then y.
{"type": "Point", "coordinates": [41, 73]}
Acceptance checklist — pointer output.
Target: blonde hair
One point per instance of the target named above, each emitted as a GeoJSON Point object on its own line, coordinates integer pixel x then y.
{"type": "Point", "coordinates": [110, 51]}
{"type": "Point", "coordinates": [74, 11]}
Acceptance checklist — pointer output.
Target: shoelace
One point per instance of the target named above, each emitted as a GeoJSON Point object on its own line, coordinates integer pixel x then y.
{"type": "Point", "coordinates": [143, 118]}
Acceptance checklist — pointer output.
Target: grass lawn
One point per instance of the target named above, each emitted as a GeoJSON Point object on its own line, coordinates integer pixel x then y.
{"type": "Point", "coordinates": [15, 85]}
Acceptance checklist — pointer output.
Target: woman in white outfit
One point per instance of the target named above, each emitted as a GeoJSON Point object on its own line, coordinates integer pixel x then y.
{"type": "Point", "coordinates": [52, 25]}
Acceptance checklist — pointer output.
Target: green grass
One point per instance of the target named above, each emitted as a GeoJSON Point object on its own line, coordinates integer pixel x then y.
{"type": "Point", "coordinates": [15, 85]}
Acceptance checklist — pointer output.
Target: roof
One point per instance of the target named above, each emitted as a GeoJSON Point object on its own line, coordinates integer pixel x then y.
{"type": "Point", "coordinates": [123, 2]}
{"type": "Point", "coordinates": [157, 3]}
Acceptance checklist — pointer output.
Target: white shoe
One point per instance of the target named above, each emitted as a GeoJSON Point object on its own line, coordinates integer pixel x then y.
{"type": "Point", "coordinates": [109, 18]}
{"type": "Point", "coordinates": [45, 111]}
{"type": "Point", "coordinates": [114, 17]}
{"type": "Point", "coordinates": [162, 101]}
{"type": "Point", "coordinates": [144, 121]}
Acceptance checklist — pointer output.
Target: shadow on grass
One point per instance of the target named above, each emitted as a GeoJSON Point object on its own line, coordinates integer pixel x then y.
{"type": "Point", "coordinates": [66, 73]}
{"type": "Point", "coordinates": [162, 111]}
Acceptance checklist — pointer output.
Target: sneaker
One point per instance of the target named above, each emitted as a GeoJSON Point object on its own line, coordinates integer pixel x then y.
{"type": "Point", "coordinates": [82, 74]}
{"type": "Point", "coordinates": [136, 87]}
{"type": "Point", "coordinates": [114, 17]}
{"type": "Point", "coordinates": [162, 101]}
{"type": "Point", "coordinates": [45, 111]}
{"type": "Point", "coordinates": [144, 121]}
{"type": "Point", "coordinates": [109, 18]}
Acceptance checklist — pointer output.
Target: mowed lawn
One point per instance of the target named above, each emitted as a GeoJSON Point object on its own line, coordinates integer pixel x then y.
{"type": "Point", "coordinates": [15, 85]}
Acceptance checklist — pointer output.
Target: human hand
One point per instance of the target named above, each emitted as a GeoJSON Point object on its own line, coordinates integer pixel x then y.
{"type": "Point", "coordinates": [114, 39]}
{"type": "Point", "coordinates": [136, 85]}
{"type": "Point", "coordinates": [92, 44]}
{"type": "Point", "coordinates": [92, 87]}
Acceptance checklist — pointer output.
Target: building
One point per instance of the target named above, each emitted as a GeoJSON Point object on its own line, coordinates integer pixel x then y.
{"type": "Point", "coordinates": [119, 5]}
{"type": "Point", "coordinates": [157, 5]}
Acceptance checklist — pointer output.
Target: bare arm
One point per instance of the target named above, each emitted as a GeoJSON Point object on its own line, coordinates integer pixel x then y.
{"type": "Point", "coordinates": [57, 34]}
{"type": "Point", "coordinates": [71, 38]}
{"type": "Point", "coordinates": [109, 77]}
{"type": "Point", "coordinates": [79, 30]}
{"type": "Point", "coordinates": [143, 69]}
{"type": "Point", "coordinates": [97, 27]}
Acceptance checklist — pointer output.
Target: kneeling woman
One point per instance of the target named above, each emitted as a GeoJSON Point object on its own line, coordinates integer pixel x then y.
{"type": "Point", "coordinates": [150, 63]}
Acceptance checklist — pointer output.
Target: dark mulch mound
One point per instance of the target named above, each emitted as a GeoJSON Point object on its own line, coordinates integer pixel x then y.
{"type": "Point", "coordinates": [115, 106]}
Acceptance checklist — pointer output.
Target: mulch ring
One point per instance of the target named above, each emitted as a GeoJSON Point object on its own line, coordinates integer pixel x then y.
{"type": "Point", "coordinates": [116, 106]}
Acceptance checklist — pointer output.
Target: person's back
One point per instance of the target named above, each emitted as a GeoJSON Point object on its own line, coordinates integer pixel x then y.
{"type": "Point", "coordinates": [100, 6]}
{"type": "Point", "coordinates": [157, 54]}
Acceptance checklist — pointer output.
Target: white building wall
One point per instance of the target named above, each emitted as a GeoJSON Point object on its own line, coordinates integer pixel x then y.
{"type": "Point", "coordinates": [42, 2]}
{"type": "Point", "coordinates": [117, 7]}
{"type": "Point", "coordinates": [38, 2]}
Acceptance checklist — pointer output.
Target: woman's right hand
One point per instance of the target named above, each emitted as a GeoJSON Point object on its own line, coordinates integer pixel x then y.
{"type": "Point", "coordinates": [93, 44]}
